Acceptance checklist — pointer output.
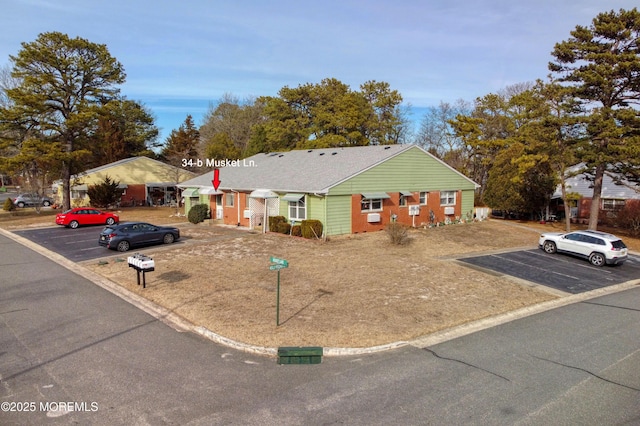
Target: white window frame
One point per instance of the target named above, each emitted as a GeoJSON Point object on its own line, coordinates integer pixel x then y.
{"type": "Point", "coordinates": [403, 201]}
{"type": "Point", "coordinates": [298, 207]}
{"type": "Point", "coordinates": [229, 199]}
{"type": "Point", "coordinates": [612, 204]}
{"type": "Point", "coordinates": [424, 198]}
{"type": "Point", "coordinates": [448, 198]}
{"type": "Point", "coordinates": [367, 205]}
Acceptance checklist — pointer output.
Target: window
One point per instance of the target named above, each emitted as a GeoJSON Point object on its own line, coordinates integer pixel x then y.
{"type": "Point", "coordinates": [448, 198]}
{"type": "Point", "coordinates": [371, 205]}
{"type": "Point", "coordinates": [612, 205]}
{"type": "Point", "coordinates": [297, 210]}
{"type": "Point", "coordinates": [229, 200]}
{"type": "Point", "coordinates": [404, 196]}
{"type": "Point", "coordinates": [424, 196]}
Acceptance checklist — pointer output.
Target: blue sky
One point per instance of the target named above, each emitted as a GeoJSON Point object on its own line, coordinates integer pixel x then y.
{"type": "Point", "coordinates": [181, 57]}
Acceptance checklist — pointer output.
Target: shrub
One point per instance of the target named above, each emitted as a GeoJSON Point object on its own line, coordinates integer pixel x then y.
{"type": "Point", "coordinates": [398, 233]}
{"type": "Point", "coordinates": [274, 221]}
{"type": "Point", "coordinates": [311, 228]}
{"type": "Point", "coordinates": [105, 193]}
{"type": "Point", "coordinates": [296, 231]}
{"type": "Point", "coordinates": [283, 228]}
{"type": "Point", "coordinates": [8, 205]}
{"type": "Point", "coordinates": [629, 218]}
{"type": "Point", "coordinates": [198, 213]}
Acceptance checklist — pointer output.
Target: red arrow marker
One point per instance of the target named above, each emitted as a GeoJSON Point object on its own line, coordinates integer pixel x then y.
{"type": "Point", "coordinates": [216, 179]}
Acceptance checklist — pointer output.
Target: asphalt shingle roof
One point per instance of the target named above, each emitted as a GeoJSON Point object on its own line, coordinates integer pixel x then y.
{"type": "Point", "coordinates": [584, 186]}
{"type": "Point", "coordinates": [310, 171]}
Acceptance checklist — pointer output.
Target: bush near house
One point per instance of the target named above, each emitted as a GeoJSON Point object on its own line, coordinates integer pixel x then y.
{"type": "Point", "coordinates": [283, 228]}
{"type": "Point", "coordinates": [198, 213]}
{"type": "Point", "coordinates": [105, 193]}
{"type": "Point", "coordinates": [629, 218]}
{"type": "Point", "coordinates": [311, 228]}
{"type": "Point", "coordinates": [398, 233]}
{"type": "Point", "coordinates": [8, 205]}
{"type": "Point", "coordinates": [296, 231]}
{"type": "Point", "coordinates": [274, 221]}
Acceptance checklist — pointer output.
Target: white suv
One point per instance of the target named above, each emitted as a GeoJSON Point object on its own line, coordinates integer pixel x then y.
{"type": "Point", "coordinates": [598, 247]}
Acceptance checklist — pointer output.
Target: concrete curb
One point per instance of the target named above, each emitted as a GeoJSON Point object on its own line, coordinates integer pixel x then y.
{"type": "Point", "coordinates": [181, 324]}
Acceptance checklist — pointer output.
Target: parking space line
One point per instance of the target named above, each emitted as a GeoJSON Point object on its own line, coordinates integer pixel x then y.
{"type": "Point", "coordinates": [534, 267]}
{"type": "Point", "coordinates": [561, 257]}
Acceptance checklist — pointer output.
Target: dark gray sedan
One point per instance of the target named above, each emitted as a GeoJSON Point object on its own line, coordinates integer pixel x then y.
{"type": "Point", "coordinates": [126, 235]}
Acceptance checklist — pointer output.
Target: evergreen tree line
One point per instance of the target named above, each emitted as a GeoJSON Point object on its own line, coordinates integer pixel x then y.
{"type": "Point", "coordinates": [63, 115]}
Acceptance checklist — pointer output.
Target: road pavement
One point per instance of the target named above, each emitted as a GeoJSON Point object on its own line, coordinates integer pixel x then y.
{"type": "Point", "coordinates": [71, 352]}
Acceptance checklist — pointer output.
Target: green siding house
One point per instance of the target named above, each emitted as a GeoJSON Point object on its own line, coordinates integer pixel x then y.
{"type": "Point", "coordinates": [349, 190]}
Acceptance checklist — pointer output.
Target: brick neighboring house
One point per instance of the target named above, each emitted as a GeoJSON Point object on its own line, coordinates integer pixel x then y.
{"type": "Point", "coordinates": [613, 198]}
{"type": "Point", "coordinates": [349, 190]}
{"type": "Point", "coordinates": [144, 181]}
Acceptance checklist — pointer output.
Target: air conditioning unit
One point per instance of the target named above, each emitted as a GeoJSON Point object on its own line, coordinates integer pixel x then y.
{"type": "Point", "coordinates": [449, 210]}
{"type": "Point", "coordinates": [414, 210]}
{"type": "Point", "coordinates": [247, 214]}
{"type": "Point", "coordinates": [373, 217]}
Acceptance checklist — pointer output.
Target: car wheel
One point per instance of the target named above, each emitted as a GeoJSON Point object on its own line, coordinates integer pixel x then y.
{"type": "Point", "coordinates": [549, 247]}
{"type": "Point", "coordinates": [597, 259]}
{"type": "Point", "coordinates": [73, 224]}
{"type": "Point", "coordinates": [21, 204]}
{"type": "Point", "coordinates": [123, 246]}
{"type": "Point", "coordinates": [111, 221]}
{"type": "Point", "coordinates": [46, 203]}
{"type": "Point", "coordinates": [168, 238]}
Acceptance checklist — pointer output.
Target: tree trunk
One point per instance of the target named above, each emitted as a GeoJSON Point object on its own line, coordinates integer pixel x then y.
{"type": "Point", "coordinates": [66, 187]}
{"type": "Point", "coordinates": [597, 195]}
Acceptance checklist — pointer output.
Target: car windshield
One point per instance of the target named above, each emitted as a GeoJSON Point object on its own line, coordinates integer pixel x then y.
{"type": "Point", "coordinates": [108, 230]}
{"type": "Point", "coordinates": [67, 211]}
{"type": "Point", "coordinates": [618, 244]}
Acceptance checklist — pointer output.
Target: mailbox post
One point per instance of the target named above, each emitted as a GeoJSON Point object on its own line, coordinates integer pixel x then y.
{"type": "Point", "coordinates": [278, 264]}
{"type": "Point", "coordinates": [141, 263]}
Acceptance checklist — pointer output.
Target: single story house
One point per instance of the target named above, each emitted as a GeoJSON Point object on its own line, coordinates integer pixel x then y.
{"type": "Point", "coordinates": [144, 181]}
{"type": "Point", "coordinates": [615, 194]}
{"type": "Point", "coordinates": [349, 190]}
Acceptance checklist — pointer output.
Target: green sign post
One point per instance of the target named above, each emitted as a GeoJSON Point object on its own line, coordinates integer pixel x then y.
{"type": "Point", "coordinates": [278, 264]}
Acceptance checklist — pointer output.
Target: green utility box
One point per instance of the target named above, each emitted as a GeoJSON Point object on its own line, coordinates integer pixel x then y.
{"type": "Point", "coordinates": [300, 355]}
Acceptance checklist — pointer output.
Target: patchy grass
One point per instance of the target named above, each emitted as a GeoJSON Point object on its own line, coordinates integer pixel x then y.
{"type": "Point", "coordinates": [352, 291]}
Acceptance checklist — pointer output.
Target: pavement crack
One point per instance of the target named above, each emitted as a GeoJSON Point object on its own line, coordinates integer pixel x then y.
{"type": "Point", "coordinates": [611, 306]}
{"type": "Point", "coordinates": [604, 379]}
{"type": "Point", "coordinates": [464, 363]}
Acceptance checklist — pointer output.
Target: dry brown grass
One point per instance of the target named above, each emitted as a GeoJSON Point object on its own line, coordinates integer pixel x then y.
{"type": "Point", "coordinates": [354, 291]}
{"type": "Point", "coordinates": [350, 291]}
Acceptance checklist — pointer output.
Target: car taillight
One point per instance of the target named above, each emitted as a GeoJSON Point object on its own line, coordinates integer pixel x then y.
{"type": "Point", "coordinates": [616, 248]}
{"type": "Point", "coordinates": [111, 235]}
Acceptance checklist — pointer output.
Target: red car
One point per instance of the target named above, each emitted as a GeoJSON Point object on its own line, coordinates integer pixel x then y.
{"type": "Point", "coordinates": [85, 216]}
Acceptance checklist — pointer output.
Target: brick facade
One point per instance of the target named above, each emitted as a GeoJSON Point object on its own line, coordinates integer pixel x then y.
{"type": "Point", "coordinates": [391, 206]}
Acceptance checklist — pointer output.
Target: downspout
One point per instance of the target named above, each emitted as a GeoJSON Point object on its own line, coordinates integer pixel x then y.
{"type": "Point", "coordinates": [324, 228]}
{"type": "Point", "coordinates": [238, 204]}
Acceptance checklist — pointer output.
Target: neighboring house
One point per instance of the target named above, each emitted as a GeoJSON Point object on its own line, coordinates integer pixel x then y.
{"type": "Point", "coordinates": [613, 198]}
{"type": "Point", "coordinates": [350, 190]}
{"type": "Point", "coordinates": [144, 181]}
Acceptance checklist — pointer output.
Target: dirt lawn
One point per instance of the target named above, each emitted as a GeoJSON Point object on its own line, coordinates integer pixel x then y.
{"type": "Point", "coordinates": [351, 291]}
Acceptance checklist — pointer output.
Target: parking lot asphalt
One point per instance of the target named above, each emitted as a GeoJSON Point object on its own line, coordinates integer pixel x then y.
{"type": "Point", "coordinates": [74, 244]}
{"type": "Point", "coordinates": [562, 272]}
{"type": "Point", "coordinates": [77, 245]}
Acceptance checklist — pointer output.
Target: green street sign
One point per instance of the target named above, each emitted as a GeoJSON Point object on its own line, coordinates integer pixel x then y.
{"type": "Point", "coordinates": [277, 261]}
{"type": "Point", "coordinates": [276, 267]}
